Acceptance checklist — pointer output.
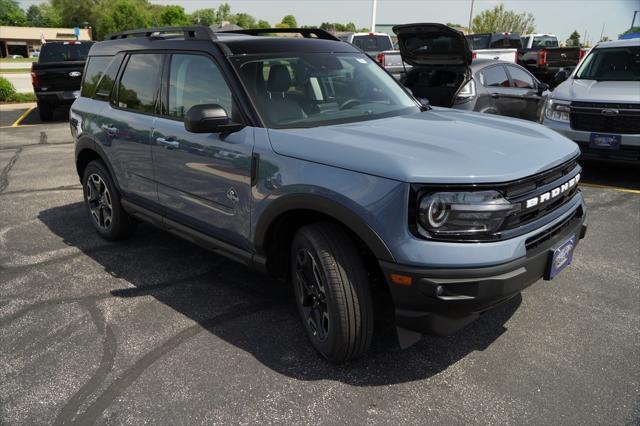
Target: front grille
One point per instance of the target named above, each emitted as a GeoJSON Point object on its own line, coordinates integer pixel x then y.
{"type": "Point", "coordinates": [537, 185]}
{"type": "Point", "coordinates": [588, 116]}
{"type": "Point", "coordinates": [547, 234]}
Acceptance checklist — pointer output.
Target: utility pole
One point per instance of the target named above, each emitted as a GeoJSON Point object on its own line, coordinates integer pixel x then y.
{"type": "Point", "coordinates": [470, 17]}
{"type": "Point", "coordinates": [373, 16]}
{"type": "Point", "coordinates": [602, 32]}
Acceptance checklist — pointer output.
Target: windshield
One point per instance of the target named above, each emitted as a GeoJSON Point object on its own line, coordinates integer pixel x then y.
{"type": "Point", "coordinates": [315, 89]}
{"type": "Point", "coordinates": [544, 41]}
{"type": "Point", "coordinates": [611, 64]}
{"type": "Point", "coordinates": [372, 43]}
{"type": "Point", "coordinates": [62, 52]}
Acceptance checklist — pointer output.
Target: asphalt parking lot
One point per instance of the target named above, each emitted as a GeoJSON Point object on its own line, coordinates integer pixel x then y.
{"type": "Point", "coordinates": [157, 330]}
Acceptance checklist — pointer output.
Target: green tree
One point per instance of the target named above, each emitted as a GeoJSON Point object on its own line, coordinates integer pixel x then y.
{"type": "Point", "coordinates": [290, 20]}
{"type": "Point", "coordinates": [243, 20]}
{"type": "Point", "coordinates": [172, 16]}
{"type": "Point", "coordinates": [281, 25]}
{"type": "Point", "coordinates": [574, 39]}
{"type": "Point", "coordinates": [72, 11]}
{"type": "Point", "coordinates": [224, 12]}
{"type": "Point", "coordinates": [632, 30]}
{"type": "Point", "coordinates": [204, 17]}
{"type": "Point", "coordinates": [43, 15]}
{"type": "Point", "coordinates": [12, 14]}
{"type": "Point", "coordinates": [499, 19]}
{"type": "Point", "coordinates": [263, 24]}
{"type": "Point", "coordinates": [121, 15]}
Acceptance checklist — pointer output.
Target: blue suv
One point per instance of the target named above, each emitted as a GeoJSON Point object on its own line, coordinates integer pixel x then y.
{"type": "Point", "coordinates": [303, 158]}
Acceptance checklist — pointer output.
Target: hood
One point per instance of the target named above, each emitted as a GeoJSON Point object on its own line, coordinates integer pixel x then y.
{"type": "Point", "coordinates": [598, 91]}
{"type": "Point", "coordinates": [432, 44]}
{"type": "Point", "coordinates": [437, 146]}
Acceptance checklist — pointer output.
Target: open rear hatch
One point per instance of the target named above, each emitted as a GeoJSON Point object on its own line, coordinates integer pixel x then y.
{"type": "Point", "coordinates": [440, 57]}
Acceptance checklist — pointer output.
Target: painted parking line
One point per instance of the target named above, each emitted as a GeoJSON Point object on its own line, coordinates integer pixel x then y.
{"type": "Point", "coordinates": [615, 188]}
{"type": "Point", "coordinates": [22, 117]}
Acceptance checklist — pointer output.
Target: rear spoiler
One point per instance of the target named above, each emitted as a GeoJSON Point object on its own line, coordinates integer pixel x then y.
{"type": "Point", "coordinates": [304, 32]}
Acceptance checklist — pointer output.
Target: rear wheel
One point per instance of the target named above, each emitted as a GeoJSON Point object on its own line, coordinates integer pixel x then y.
{"type": "Point", "coordinates": [103, 203]}
{"type": "Point", "coordinates": [45, 110]}
{"type": "Point", "coordinates": [332, 291]}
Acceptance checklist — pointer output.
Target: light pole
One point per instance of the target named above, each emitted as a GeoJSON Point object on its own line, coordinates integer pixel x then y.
{"type": "Point", "coordinates": [373, 16]}
{"type": "Point", "coordinates": [470, 17]}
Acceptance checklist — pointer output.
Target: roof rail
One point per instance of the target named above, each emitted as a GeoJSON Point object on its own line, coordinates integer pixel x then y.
{"type": "Point", "coordinates": [304, 32]}
{"type": "Point", "coordinates": [197, 32]}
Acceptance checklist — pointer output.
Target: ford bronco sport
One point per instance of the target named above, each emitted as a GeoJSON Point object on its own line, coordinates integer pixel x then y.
{"type": "Point", "coordinates": [303, 158]}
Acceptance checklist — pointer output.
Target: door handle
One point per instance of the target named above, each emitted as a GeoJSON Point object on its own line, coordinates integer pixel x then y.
{"type": "Point", "coordinates": [109, 129]}
{"type": "Point", "coordinates": [495, 95]}
{"type": "Point", "coordinates": [169, 143]}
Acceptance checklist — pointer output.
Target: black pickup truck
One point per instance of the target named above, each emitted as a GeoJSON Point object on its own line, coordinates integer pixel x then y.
{"type": "Point", "coordinates": [57, 75]}
{"type": "Point", "coordinates": [542, 55]}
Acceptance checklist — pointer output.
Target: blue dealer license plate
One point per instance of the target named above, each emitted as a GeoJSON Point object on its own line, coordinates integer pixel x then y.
{"type": "Point", "coordinates": [560, 258]}
{"type": "Point", "coordinates": [604, 141]}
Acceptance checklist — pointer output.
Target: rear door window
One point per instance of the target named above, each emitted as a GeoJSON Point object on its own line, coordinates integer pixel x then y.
{"type": "Point", "coordinates": [138, 89]}
{"type": "Point", "coordinates": [521, 79]}
{"type": "Point", "coordinates": [495, 77]}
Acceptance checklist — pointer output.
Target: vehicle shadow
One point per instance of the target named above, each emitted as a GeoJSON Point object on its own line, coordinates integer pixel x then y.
{"type": "Point", "coordinates": [610, 173]}
{"type": "Point", "coordinates": [60, 115]}
{"type": "Point", "coordinates": [271, 331]}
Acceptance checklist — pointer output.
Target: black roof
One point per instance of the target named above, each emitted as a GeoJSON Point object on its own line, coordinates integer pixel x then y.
{"type": "Point", "coordinates": [245, 42]}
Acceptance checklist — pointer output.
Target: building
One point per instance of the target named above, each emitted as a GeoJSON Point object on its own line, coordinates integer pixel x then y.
{"type": "Point", "coordinates": [24, 41]}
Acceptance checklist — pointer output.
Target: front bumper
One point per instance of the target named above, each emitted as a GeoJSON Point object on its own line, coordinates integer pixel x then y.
{"type": "Point", "coordinates": [442, 301]}
{"type": "Point", "coordinates": [629, 144]}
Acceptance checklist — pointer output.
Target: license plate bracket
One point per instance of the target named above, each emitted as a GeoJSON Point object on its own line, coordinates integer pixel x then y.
{"type": "Point", "coordinates": [560, 257]}
{"type": "Point", "coordinates": [605, 141]}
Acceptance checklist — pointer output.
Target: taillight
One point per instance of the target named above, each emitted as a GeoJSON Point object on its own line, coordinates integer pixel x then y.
{"type": "Point", "coordinates": [582, 54]}
{"type": "Point", "coordinates": [34, 79]}
{"type": "Point", "coordinates": [380, 58]}
{"type": "Point", "coordinates": [542, 57]}
{"type": "Point", "coordinates": [474, 55]}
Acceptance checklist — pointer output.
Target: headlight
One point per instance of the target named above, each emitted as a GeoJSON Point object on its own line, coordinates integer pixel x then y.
{"type": "Point", "coordinates": [462, 215]}
{"type": "Point", "coordinates": [557, 110]}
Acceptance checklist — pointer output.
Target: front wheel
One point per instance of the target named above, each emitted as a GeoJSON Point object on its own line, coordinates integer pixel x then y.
{"type": "Point", "coordinates": [332, 291]}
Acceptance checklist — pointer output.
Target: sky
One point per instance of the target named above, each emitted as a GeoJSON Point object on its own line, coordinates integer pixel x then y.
{"type": "Point", "coordinates": [559, 17]}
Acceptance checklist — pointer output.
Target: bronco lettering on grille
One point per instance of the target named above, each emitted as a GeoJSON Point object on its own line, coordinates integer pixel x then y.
{"type": "Point", "coordinates": [555, 192]}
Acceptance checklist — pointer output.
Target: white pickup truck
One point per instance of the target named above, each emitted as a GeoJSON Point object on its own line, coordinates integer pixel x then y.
{"type": "Point", "coordinates": [498, 46]}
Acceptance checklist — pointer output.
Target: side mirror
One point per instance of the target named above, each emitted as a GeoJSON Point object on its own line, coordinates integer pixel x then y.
{"type": "Point", "coordinates": [209, 118]}
{"type": "Point", "coordinates": [424, 102]}
{"type": "Point", "coordinates": [542, 87]}
{"type": "Point", "coordinates": [561, 76]}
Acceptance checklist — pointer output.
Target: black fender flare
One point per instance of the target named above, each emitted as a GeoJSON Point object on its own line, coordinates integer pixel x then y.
{"type": "Point", "coordinates": [86, 143]}
{"type": "Point", "coordinates": [327, 207]}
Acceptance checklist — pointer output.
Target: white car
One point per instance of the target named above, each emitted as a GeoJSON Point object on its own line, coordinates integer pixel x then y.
{"type": "Point", "coordinates": [598, 104]}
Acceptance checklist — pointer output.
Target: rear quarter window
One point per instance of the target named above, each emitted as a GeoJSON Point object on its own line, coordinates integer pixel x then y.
{"type": "Point", "coordinates": [99, 76]}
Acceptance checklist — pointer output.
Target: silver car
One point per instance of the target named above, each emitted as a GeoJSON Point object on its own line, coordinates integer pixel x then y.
{"type": "Point", "coordinates": [598, 105]}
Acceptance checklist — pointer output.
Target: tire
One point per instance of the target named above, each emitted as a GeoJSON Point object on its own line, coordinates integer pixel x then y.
{"type": "Point", "coordinates": [103, 204]}
{"type": "Point", "coordinates": [332, 291]}
{"type": "Point", "coordinates": [45, 110]}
